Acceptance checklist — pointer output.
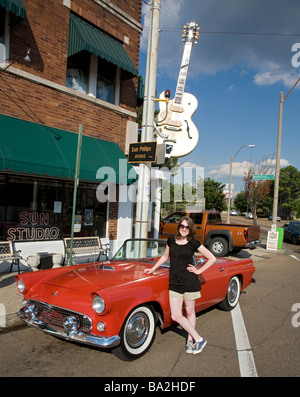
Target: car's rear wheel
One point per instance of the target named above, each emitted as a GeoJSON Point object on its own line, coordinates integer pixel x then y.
{"type": "Point", "coordinates": [137, 333]}
{"type": "Point", "coordinates": [232, 296]}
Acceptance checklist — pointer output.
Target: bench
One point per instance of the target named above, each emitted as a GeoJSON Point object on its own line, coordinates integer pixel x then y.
{"type": "Point", "coordinates": [83, 246]}
{"type": "Point", "coordinates": [7, 254]}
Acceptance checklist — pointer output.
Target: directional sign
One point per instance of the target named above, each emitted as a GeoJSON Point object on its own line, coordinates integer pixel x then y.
{"type": "Point", "coordinates": [263, 177]}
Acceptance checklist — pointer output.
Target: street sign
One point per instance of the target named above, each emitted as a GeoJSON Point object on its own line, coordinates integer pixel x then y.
{"type": "Point", "coordinates": [142, 152]}
{"type": "Point", "coordinates": [263, 177]}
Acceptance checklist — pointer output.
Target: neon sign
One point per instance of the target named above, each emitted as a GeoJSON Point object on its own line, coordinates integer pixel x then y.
{"type": "Point", "coordinates": [33, 226]}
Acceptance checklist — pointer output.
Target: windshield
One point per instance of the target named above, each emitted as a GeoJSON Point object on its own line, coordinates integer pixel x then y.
{"type": "Point", "coordinates": [140, 249]}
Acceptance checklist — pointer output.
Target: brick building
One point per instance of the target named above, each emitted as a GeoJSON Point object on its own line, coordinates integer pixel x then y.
{"type": "Point", "coordinates": [81, 69]}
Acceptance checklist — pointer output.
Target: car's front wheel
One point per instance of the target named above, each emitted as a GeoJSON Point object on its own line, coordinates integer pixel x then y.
{"type": "Point", "coordinates": [137, 333]}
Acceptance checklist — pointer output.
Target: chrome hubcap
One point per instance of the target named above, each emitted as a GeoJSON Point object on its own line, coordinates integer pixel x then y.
{"type": "Point", "coordinates": [232, 291]}
{"type": "Point", "coordinates": [137, 330]}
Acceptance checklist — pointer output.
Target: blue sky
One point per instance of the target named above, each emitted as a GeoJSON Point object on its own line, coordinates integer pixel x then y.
{"type": "Point", "coordinates": [236, 77]}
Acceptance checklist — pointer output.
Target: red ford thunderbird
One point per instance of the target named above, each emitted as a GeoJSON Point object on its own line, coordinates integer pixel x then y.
{"type": "Point", "coordinates": [113, 304]}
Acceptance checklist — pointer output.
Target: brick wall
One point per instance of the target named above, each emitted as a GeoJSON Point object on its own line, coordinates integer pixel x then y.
{"type": "Point", "coordinates": [45, 30]}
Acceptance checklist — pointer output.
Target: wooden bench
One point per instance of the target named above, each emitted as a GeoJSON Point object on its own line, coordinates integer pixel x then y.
{"type": "Point", "coordinates": [7, 254]}
{"type": "Point", "coordinates": [86, 245]}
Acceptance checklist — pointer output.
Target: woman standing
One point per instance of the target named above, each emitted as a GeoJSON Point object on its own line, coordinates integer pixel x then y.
{"type": "Point", "coordinates": [184, 284]}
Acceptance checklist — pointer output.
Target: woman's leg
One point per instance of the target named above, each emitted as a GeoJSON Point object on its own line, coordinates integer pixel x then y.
{"type": "Point", "coordinates": [191, 315]}
{"type": "Point", "coordinates": [176, 314]}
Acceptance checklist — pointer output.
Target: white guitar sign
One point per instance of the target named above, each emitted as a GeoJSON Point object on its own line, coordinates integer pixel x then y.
{"type": "Point", "coordinates": [174, 122]}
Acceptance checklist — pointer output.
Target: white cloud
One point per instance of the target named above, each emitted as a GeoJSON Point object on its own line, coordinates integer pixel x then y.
{"type": "Point", "coordinates": [239, 169]}
{"type": "Point", "coordinates": [267, 52]}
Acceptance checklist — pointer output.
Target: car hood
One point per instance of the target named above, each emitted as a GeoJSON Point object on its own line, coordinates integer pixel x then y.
{"type": "Point", "coordinates": [98, 276]}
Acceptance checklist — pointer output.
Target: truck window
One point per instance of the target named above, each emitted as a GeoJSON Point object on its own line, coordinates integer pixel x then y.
{"type": "Point", "coordinates": [174, 218]}
{"type": "Point", "coordinates": [214, 218]}
{"type": "Point", "coordinates": [197, 218]}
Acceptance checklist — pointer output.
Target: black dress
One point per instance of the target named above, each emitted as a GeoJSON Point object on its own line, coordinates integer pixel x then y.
{"type": "Point", "coordinates": [180, 279]}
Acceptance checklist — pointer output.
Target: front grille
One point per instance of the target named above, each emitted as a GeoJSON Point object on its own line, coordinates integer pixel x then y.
{"type": "Point", "coordinates": [55, 315]}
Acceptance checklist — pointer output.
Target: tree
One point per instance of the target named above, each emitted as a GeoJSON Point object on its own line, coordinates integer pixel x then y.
{"type": "Point", "coordinates": [289, 192]}
{"type": "Point", "coordinates": [240, 201]}
{"type": "Point", "coordinates": [214, 196]}
{"type": "Point", "coordinates": [257, 190]}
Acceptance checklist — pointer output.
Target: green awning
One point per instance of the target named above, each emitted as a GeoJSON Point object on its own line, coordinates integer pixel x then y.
{"type": "Point", "coordinates": [83, 36]}
{"type": "Point", "coordinates": [14, 6]}
{"type": "Point", "coordinates": [36, 149]}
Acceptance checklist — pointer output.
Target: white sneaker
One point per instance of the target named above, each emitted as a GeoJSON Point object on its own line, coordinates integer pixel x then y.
{"type": "Point", "coordinates": [189, 347]}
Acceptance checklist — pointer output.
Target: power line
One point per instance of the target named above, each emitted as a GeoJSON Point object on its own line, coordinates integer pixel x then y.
{"type": "Point", "coordinates": [236, 33]}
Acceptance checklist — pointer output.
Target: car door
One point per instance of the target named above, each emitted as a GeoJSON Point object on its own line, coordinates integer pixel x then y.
{"type": "Point", "coordinates": [214, 284]}
{"type": "Point", "coordinates": [199, 232]}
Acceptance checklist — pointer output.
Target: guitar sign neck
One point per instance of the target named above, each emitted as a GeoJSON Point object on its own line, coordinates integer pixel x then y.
{"type": "Point", "coordinates": [190, 36]}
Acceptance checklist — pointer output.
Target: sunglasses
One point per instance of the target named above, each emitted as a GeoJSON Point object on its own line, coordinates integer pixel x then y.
{"type": "Point", "coordinates": [183, 227]}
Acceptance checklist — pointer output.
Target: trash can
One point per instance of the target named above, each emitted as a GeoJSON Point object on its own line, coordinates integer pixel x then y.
{"type": "Point", "coordinates": [280, 231]}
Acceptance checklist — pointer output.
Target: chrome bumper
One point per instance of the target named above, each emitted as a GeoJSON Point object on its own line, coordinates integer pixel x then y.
{"type": "Point", "coordinates": [252, 244]}
{"type": "Point", "coordinates": [69, 332]}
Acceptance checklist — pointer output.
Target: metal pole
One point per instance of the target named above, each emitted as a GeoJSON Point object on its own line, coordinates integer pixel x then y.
{"type": "Point", "coordinates": [76, 183]}
{"type": "Point", "coordinates": [277, 169]}
{"type": "Point", "coordinates": [229, 192]}
{"type": "Point", "coordinates": [230, 176]}
{"type": "Point", "coordinates": [142, 210]}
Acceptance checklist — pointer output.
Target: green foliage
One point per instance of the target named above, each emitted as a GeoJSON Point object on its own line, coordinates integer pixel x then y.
{"type": "Point", "coordinates": [214, 196]}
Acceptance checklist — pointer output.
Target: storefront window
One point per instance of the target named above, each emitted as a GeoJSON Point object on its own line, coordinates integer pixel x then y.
{"type": "Point", "coordinates": [90, 215]}
{"type": "Point", "coordinates": [33, 209]}
{"type": "Point", "coordinates": [2, 207]}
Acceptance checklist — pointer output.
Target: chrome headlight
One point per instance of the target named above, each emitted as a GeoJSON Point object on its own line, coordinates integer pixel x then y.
{"type": "Point", "coordinates": [98, 304]}
{"type": "Point", "coordinates": [20, 286]}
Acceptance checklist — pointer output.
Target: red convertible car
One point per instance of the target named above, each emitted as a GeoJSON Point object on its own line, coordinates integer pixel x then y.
{"type": "Point", "coordinates": [113, 304]}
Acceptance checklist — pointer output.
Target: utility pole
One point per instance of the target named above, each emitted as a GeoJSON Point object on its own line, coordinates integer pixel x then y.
{"type": "Point", "coordinates": [144, 187]}
{"type": "Point", "coordinates": [277, 167]}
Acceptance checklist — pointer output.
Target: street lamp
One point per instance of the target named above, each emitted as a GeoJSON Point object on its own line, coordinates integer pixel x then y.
{"type": "Point", "coordinates": [230, 175]}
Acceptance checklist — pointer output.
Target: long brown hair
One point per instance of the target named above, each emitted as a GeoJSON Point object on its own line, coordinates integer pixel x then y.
{"type": "Point", "coordinates": [191, 224]}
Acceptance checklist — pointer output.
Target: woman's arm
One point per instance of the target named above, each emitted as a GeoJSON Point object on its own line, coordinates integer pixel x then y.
{"type": "Point", "coordinates": [162, 260]}
{"type": "Point", "coordinates": [211, 259]}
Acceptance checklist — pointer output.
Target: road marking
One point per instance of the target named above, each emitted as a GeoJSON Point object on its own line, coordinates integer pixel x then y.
{"type": "Point", "coordinates": [2, 316]}
{"type": "Point", "coordinates": [245, 356]}
{"type": "Point", "coordinates": [294, 257]}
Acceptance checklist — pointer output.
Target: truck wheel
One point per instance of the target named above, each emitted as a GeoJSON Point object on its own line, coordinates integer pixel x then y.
{"type": "Point", "coordinates": [137, 334]}
{"type": "Point", "coordinates": [218, 246]}
{"type": "Point", "coordinates": [232, 296]}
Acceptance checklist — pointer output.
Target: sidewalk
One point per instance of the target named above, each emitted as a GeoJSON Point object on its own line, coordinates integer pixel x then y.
{"type": "Point", "coordinates": [11, 299]}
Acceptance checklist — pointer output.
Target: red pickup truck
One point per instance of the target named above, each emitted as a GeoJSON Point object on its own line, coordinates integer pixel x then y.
{"type": "Point", "coordinates": [220, 238]}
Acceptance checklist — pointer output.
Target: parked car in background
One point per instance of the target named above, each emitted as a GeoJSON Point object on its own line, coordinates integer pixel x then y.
{"type": "Point", "coordinates": [233, 212]}
{"type": "Point", "coordinates": [249, 215]}
{"type": "Point", "coordinates": [278, 218]}
{"type": "Point", "coordinates": [114, 304]}
{"type": "Point", "coordinates": [292, 232]}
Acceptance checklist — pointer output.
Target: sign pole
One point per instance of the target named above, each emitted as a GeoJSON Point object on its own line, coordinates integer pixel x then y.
{"type": "Point", "coordinates": [142, 208]}
{"type": "Point", "coordinates": [76, 183]}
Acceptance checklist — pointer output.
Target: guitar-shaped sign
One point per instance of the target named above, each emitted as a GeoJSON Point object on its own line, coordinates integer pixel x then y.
{"type": "Point", "coordinates": [174, 122]}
